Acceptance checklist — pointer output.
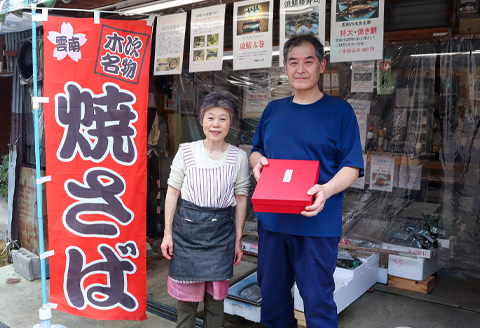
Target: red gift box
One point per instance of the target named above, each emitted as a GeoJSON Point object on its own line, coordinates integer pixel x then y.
{"type": "Point", "coordinates": [283, 186]}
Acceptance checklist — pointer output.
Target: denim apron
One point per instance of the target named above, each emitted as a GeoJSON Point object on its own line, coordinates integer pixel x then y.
{"type": "Point", "coordinates": [203, 230]}
{"type": "Point", "coordinates": [203, 243]}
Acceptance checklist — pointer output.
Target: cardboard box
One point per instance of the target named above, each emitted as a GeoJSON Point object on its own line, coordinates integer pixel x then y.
{"type": "Point", "coordinates": [414, 268]}
{"type": "Point", "coordinates": [418, 252]}
{"type": "Point", "coordinates": [283, 186]}
{"type": "Point", "coordinates": [349, 285]}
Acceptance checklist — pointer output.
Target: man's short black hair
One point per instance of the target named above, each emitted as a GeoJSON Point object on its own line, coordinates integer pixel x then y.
{"type": "Point", "coordinates": [299, 39]}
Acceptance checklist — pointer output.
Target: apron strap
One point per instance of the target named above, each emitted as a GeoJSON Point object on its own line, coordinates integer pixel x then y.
{"type": "Point", "coordinates": [188, 155]}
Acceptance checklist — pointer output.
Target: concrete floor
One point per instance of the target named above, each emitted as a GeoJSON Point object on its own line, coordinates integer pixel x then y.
{"type": "Point", "coordinates": [453, 303]}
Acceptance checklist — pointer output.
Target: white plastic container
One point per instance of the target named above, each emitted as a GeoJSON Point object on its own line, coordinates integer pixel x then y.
{"type": "Point", "coordinates": [349, 284]}
{"type": "Point", "coordinates": [411, 267]}
{"type": "Point", "coordinates": [234, 304]}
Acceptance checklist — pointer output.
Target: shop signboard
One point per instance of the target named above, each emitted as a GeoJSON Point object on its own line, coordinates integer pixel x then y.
{"type": "Point", "coordinates": [301, 17]}
{"type": "Point", "coordinates": [169, 41]}
{"type": "Point", "coordinates": [252, 34]}
{"type": "Point", "coordinates": [356, 31]}
{"type": "Point", "coordinates": [96, 81]}
{"type": "Point", "coordinates": [206, 39]}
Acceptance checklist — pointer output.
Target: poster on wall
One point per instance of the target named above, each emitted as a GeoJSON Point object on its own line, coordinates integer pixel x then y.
{"type": "Point", "coordinates": [356, 31]}
{"type": "Point", "coordinates": [384, 76]}
{"type": "Point", "coordinates": [206, 39]}
{"type": "Point", "coordinates": [363, 76]}
{"type": "Point", "coordinates": [252, 34]}
{"type": "Point", "coordinates": [301, 17]}
{"type": "Point", "coordinates": [169, 44]}
{"type": "Point", "coordinates": [95, 144]}
{"type": "Point", "coordinates": [382, 172]}
{"type": "Point", "coordinates": [361, 109]}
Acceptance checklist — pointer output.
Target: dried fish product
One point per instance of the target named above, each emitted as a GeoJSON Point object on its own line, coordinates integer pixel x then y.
{"type": "Point", "coordinates": [302, 24]}
{"type": "Point", "coordinates": [212, 54]}
{"type": "Point", "coordinates": [173, 63]}
{"type": "Point", "coordinates": [251, 292]}
{"type": "Point", "coordinates": [358, 11]}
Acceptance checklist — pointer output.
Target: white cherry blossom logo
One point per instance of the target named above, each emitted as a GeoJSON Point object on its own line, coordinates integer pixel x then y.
{"type": "Point", "coordinates": [67, 43]}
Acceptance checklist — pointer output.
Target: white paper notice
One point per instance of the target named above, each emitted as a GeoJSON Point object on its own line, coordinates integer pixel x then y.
{"type": "Point", "coordinates": [252, 34]}
{"type": "Point", "coordinates": [169, 44]}
{"type": "Point", "coordinates": [301, 17]}
{"type": "Point", "coordinates": [356, 30]}
{"type": "Point", "coordinates": [206, 39]}
{"type": "Point", "coordinates": [361, 108]}
{"type": "Point", "coordinates": [363, 76]}
{"type": "Point", "coordinates": [382, 172]}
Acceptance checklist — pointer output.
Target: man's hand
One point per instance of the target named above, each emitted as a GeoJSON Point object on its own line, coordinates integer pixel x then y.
{"type": "Point", "coordinates": [167, 246]}
{"type": "Point", "coordinates": [319, 194]}
{"type": "Point", "coordinates": [257, 170]}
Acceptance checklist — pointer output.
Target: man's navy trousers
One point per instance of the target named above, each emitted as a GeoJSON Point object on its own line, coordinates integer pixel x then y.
{"type": "Point", "coordinates": [310, 261]}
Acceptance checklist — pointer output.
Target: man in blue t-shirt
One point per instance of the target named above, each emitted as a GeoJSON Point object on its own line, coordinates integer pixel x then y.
{"type": "Point", "coordinates": [303, 248]}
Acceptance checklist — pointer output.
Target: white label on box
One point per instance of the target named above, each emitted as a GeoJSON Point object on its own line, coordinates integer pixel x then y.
{"type": "Point", "coordinates": [288, 176]}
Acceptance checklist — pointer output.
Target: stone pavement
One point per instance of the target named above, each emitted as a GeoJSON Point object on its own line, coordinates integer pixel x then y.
{"type": "Point", "coordinates": [20, 303]}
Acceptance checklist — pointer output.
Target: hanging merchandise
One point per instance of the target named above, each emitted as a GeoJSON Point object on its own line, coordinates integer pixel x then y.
{"type": "Point", "coordinates": [363, 76]}
{"type": "Point", "coordinates": [95, 142]}
{"type": "Point", "coordinates": [384, 76]}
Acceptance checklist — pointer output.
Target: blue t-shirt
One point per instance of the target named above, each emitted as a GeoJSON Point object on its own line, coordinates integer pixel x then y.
{"type": "Point", "coordinates": [326, 131]}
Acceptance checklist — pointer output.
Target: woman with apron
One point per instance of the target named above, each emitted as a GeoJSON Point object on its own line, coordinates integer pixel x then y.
{"type": "Point", "coordinates": [202, 240]}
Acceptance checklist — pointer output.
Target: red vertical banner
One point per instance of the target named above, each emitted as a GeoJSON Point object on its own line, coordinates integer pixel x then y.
{"type": "Point", "coordinates": [96, 79]}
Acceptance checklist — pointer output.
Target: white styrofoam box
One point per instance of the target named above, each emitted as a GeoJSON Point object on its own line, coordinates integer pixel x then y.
{"type": "Point", "coordinates": [411, 267]}
{"type": "Point", "coordinates": [247, 311]}
{"type": "Point", "coordinates": [418, 252]}
{"type": "Point", "coordinates": [348, 285]}
{"type": "Point", "coordinates": [382, 275]}
{"type": "Point", "coordinates": [236, 306]}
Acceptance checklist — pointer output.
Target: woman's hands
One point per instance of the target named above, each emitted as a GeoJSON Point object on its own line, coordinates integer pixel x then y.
{"type": "Point", "coordinates": [238, 252]}
{"type": "Point", "coordinates": [167, 246]}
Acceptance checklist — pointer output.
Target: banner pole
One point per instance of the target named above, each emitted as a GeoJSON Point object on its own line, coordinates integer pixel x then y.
{"type": "Point", "coordinates": [45, 311]}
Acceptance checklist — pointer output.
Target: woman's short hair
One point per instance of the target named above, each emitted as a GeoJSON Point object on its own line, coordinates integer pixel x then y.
{"type": "Point", "coordinates": [222, 99]}
{"type": "Point", "coordinates": [299, 39]}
